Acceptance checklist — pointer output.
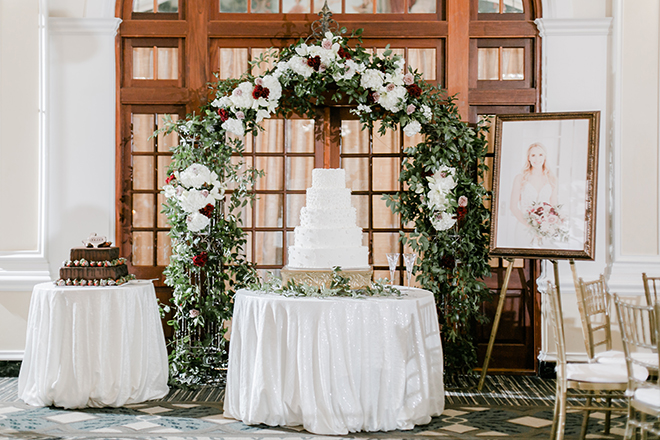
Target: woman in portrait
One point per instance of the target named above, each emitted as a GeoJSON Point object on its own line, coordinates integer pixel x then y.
{"type": "Point", "coordinates": [534, 199]}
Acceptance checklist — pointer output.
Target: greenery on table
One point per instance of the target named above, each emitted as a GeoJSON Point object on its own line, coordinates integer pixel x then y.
{"type": "Point", "coordinates": [208, 262]}
{"type": "Point", "coordinates": [339, 286]}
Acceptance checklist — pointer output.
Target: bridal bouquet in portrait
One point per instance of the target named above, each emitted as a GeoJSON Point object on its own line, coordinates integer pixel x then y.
{"type": "Point", "coordinates": [546, 222]}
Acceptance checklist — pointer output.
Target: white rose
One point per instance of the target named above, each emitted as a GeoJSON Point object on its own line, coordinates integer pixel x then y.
{"type": "Point", "coordinates": [195, 176]}
{"type": "Point", "coordinates": [299, 66]}
{"type": "Point", "coordinates": [372, 79]}
{"type": "Point", "coordinates": [234, 126]}
{"type": "Point", "coordinates": [274, 86]}
{"type": "Point", "coordinates": [442, 221]}
{"type": "Point", "coordinates": [194, 200]}
{"type": "Point", "coordinates": [196, 222]}
{"type": "Point", "coordinates": [169, 191]}
{"type": "Point", "coordinates": [412, 128]}
{"type": "Point", "coordinates": [241, 97]}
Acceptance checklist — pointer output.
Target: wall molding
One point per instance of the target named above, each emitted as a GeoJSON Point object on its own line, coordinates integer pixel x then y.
{"type": "Point", "coordinates": [12, 355]}
{"type": "Point", "coordinates": [573, 27]}
{"type": "Point", "coordinates": [83, 26]}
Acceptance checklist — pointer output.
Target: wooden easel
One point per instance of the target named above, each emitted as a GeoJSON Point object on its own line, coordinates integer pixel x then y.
{"type": "Point", "coordinates": [500, 305]}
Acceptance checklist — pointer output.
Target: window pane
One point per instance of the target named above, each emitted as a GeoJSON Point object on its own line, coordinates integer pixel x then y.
{"type": "Point", "coordinates": [423, 60]}
{"type": "Point", "coordinates": [164, 249]}
{"type": "Point", "coordinates": [266, 64]}
{"type": "Point", "coordinates": [168, 5]}
{"type": "Point", "coordinates": [361, 205]}
{"type": "Point", "coordinates": [273, 178]}
{"type": "Point", "coordinates": [233, 62]}
{"type": "Point", "coordinates": [300, 136]}
{"type": "Point", "coordinates": [357, 172]}
{"type": "Point", "coordinates": [422, 7]}
{"type": "Point", "coordinates": [271, 140]}
{"type": "Point", "coordinates": [333, 5]}
{"type": "Point", "coordinates": [143, 249]}
{"type": "Point", "coordinates": [387, 143]}
{"type": "Point", "coordinates": [168, 63]}
{"type": "Point", "coordinates": [386, 178]}
{"type": "Point", "coordinates": [143, 172]}
{"type": "Point", "coordinates": [269, 210]}
{"type": "Point", "coordinates": [390, 6]}
{"type": "Point", "coordinates": [233, 5]}
{"type": "Point", "coordinates": [383, 215]}
{"type": "Point", "coordinates": [143, 5]}
{"type": "Point", "coordinates": [296, 6]}
{"type": "Point", "coordinates": [513, 63]}
{"type": "Point", "coordinates": [294, 202]}
{"type": "Point", "coordinates": [513, 6]}
{"type": "Point", "coordinates": [268, 248]}
{"type": "Point", "coordinates": [265, 6]}
{"type": "Point", "coordinates": [162, 218]}
{"type": "Point", "coordinates": [384, 243]}
{"type": "Point", "coordinates": [489, 6]}
{"type": "Point", "coordinates": [143, 210]}
{"type": "Point", "coordinates": [167, 141]}
{"type": "Point", "coordinates": [143, 63]}
{"type": "Point", "coordinates": [488, 63]}
{"type": "Point", "coordinates": [143, 128]}
{"type": "Point", "coordinates": [354, 140]}
{"type": "Point", "coordinates": [359, 6]}
{"type": "Point", "coordinates": [299, 172]}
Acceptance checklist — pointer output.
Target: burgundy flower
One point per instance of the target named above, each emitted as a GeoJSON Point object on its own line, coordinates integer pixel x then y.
{"type": "Point", "coordinates": [461, 211]}
{"type": "Point", "coordinates": [260, 92]}
{"type": "Point", "coordinates": [170, 178]}
{"type": "Point", "coordinates": [344, 53]}
{"type": "Point", "coordinates": [201, 259]}
{"type": "Point", "coordinates": [314, 62]}
{"type": "Point", "coordinates": [224, 114]}
{"type": "Point", "coordinates": [414, 90]}
{"type": "Point", "coordinates": [207, 210]}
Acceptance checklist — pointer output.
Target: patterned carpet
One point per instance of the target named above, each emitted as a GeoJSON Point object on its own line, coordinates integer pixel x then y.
{"type": "Point", "coordinates": [509, 407]}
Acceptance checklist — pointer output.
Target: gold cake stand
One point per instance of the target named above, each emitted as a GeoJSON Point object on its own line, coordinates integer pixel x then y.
{"type": "Point", "coordinates": [357, 278]}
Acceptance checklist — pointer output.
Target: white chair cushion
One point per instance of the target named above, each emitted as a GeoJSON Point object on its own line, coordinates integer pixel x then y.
{"type": "Point", "coordinates": [603, 373]}
{"type": "Point", "coordinates": [619, 357]}
{"type": "Point", "coordinates": [649, 397]}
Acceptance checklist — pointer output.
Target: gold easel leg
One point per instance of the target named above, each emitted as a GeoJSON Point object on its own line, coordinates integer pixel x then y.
{"type": "Point", "coordinates": [555, 267]}
{"type": "Point", "coordinates": [496, 323]}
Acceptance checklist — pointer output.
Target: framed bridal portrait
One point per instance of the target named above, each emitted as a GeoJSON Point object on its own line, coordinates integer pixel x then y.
{"type": "Point", "coordinates": [544, 185]}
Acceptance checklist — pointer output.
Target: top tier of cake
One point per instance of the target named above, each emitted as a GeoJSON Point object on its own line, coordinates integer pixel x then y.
{"type": "Point", "coordinates": [328, 235]}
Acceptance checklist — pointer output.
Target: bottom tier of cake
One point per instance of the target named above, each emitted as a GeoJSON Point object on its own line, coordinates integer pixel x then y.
{"type": "Point", "coordinates": [357, 278]}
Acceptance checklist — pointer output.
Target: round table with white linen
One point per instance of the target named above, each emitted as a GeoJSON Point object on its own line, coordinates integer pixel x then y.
{"type": "Point", "coordinates": [335, 365]}
{"type": "Point", "coordinates": [93, 346]}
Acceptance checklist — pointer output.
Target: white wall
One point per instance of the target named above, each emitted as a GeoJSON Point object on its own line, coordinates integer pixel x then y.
{"type": "Point", "coordinates": [589, 62]}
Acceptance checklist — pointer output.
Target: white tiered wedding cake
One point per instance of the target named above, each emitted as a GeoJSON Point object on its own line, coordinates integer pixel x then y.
{"type": "Point", "coordinates": [328, 235]}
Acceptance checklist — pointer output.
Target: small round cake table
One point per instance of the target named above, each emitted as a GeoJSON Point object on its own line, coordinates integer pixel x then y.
{"type": "Point", "coordinates": [93, 346]}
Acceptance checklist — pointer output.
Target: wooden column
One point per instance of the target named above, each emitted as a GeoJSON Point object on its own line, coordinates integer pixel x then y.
{"type": "Point", "coordinates": [327, 136]}
{"type": "Point", "coordinates": [196, 56]}
{"type": "Point", "coordinates": [458, 53]}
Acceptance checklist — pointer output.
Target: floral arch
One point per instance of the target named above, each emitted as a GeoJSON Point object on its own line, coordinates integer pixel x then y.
{"type": "Point", "coordinates": [207, 189]}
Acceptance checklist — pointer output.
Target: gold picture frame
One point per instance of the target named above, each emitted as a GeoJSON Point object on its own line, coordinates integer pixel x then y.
{"type": "Point", "coordinates": [544, 185]}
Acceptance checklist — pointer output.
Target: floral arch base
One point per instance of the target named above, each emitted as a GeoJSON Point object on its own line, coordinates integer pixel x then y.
{"type": "Point", "coordinates": [208, 187]}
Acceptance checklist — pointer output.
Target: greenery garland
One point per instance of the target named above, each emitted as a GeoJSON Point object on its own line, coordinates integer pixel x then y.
{"type": "Point", "coordinates": [444, 200]}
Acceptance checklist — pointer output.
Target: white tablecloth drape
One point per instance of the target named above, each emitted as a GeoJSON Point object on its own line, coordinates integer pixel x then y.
{"type": "Point", "coordinates": [335, 365]}
{"type": "Point", "coordinates": [93, 347]}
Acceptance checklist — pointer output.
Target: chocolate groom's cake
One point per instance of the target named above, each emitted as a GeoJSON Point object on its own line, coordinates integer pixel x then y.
{"type": "Point", "coordinates": [94, 266]}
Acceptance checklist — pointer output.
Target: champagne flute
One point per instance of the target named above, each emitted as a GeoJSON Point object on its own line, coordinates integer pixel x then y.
{"type": "Point", "coordinates": [409, 260]}
{"type": "Point", "coordinates": [392, 260]}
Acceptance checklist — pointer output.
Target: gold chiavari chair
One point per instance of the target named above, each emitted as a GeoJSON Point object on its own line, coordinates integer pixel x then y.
{"type": "Point", "coordinates": [594, 305]}
{"type": "Point", "coordinates": [588, 381]}
{"type": "Point", "coordinates": [651, 287]}
{"type": "Point", "coordinates": [639, 330]}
